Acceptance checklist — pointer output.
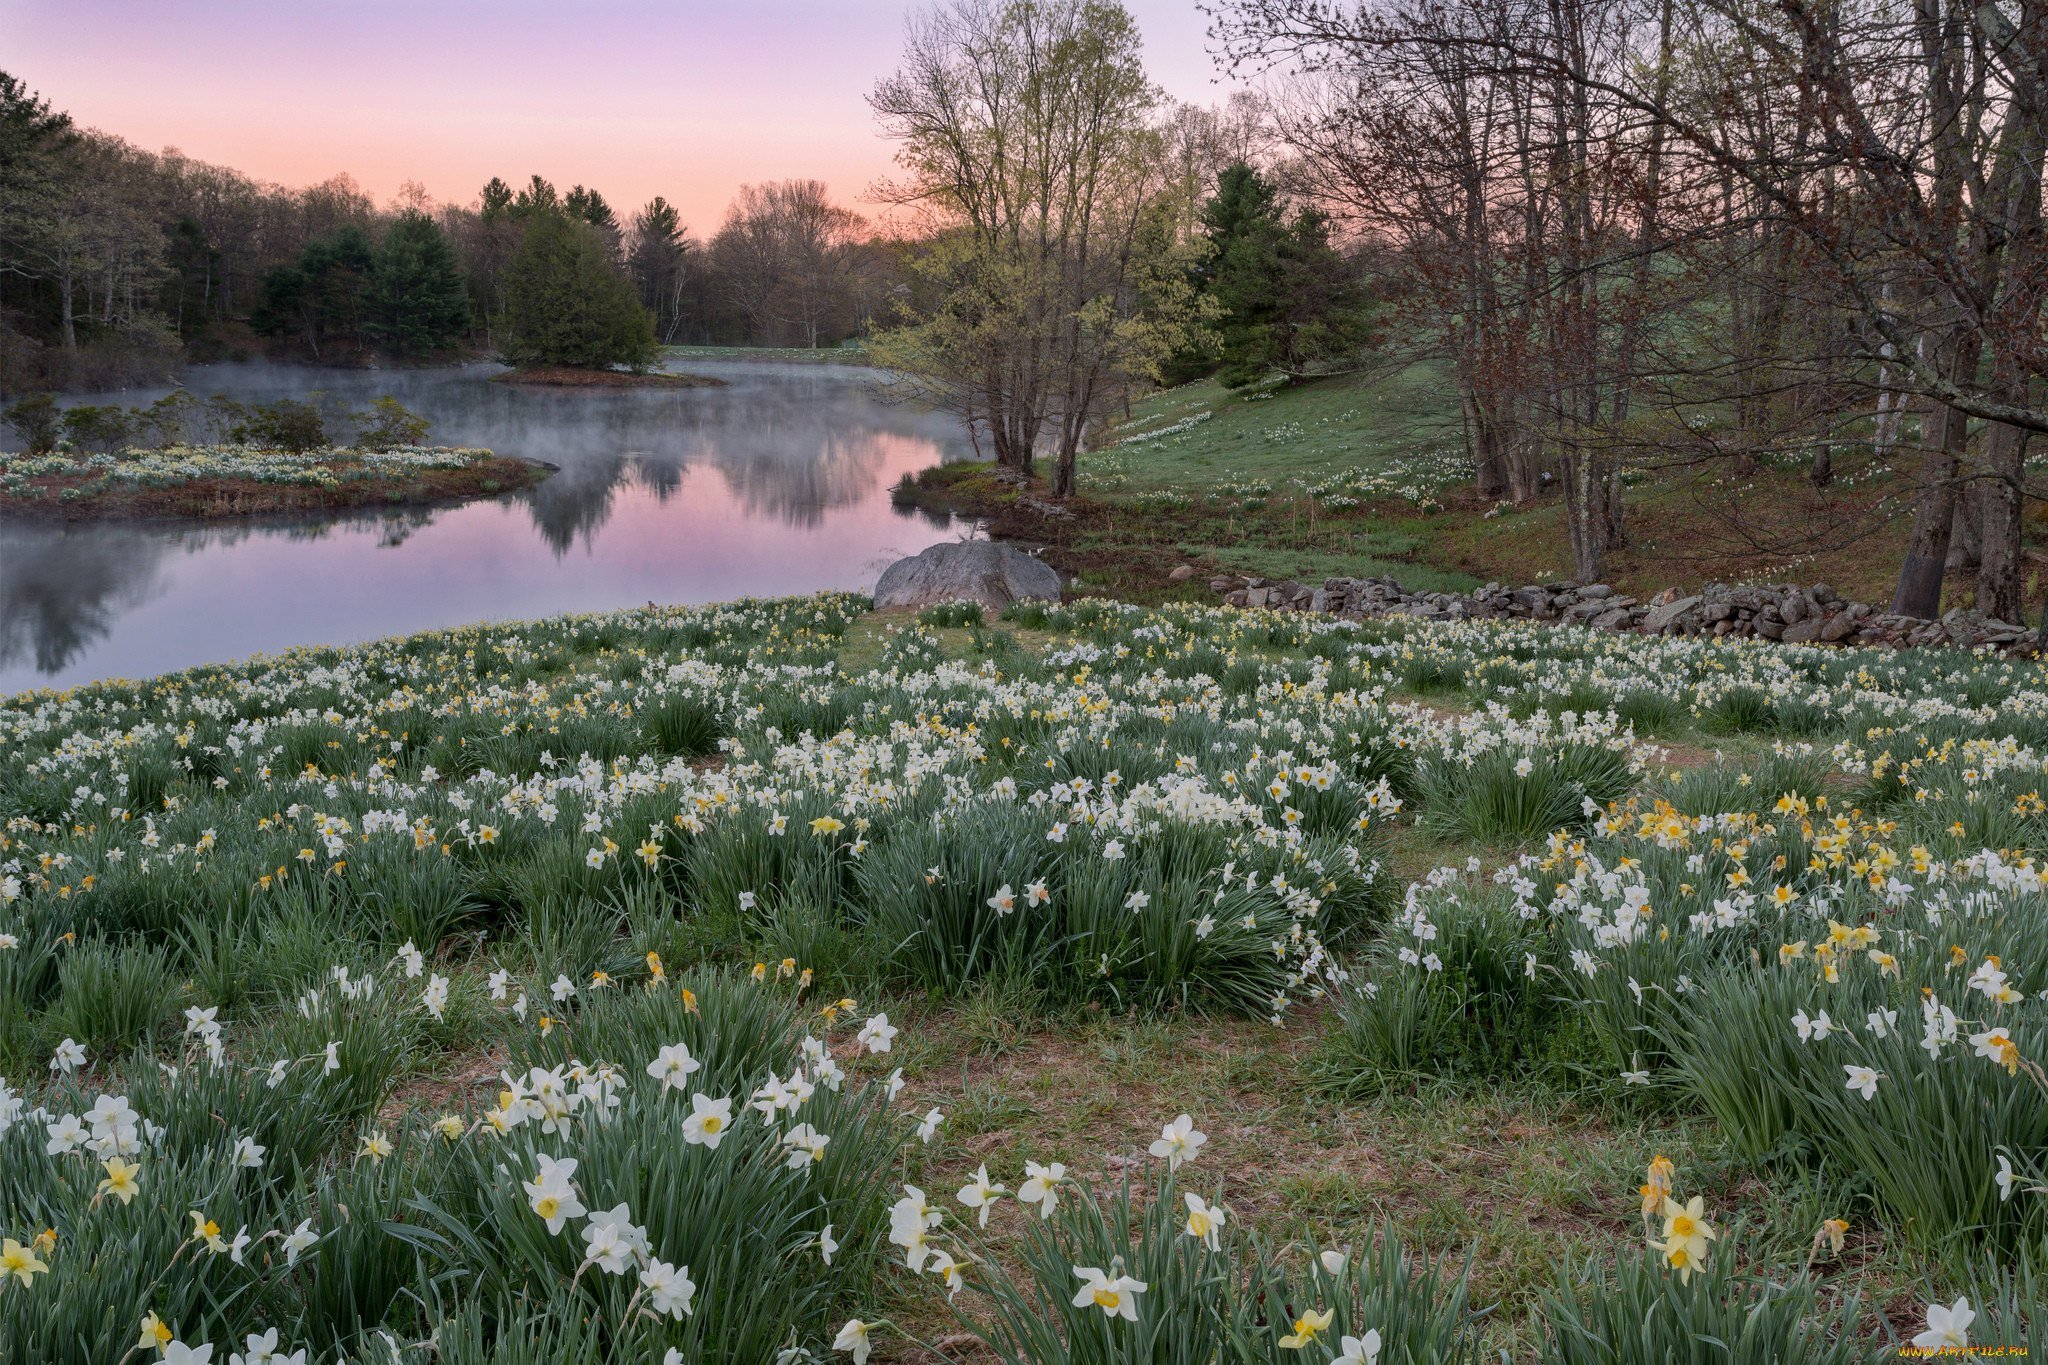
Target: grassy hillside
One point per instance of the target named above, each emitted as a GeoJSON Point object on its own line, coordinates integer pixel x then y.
{"type": "Point", "coordinates": [1366, 475]}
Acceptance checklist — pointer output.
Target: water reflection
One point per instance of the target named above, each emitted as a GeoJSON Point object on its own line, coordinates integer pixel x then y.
{"type": "Point", "coordinates": [776, 483]}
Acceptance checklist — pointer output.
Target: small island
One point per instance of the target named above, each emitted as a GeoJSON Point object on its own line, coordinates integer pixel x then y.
{"type": "Point", "coordinates": [184, 458]}
{"type": "Point", "coordinates": [221, 481]}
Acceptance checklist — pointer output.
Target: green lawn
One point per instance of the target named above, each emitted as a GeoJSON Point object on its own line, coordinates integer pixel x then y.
{"type": "Point", "coordinates": [1306, 432]}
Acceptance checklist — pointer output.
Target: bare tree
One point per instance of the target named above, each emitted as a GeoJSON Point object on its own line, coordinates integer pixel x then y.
{"type": "Point", "coordinates": [1851, 189]}
{"type": "Point", "coordinates": [784, 257]}
{"type": "Point", "coordinates": [1028, 138]}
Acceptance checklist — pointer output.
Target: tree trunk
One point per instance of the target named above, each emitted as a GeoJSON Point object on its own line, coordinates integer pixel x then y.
{"type": "Point", "coordinates": [1999, 584]}
{"type": "Point", "coordinates": [1934, 517]}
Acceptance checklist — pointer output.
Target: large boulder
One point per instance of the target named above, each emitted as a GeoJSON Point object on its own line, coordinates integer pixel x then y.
{"type": "Point", "coordinates": [984, 571]}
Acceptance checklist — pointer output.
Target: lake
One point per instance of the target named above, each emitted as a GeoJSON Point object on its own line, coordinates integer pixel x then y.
{"type": "Point", "coordinates": [776, 483]}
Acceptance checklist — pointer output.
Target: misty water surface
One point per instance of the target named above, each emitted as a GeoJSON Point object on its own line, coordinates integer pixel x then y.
{"type": "Point", "coordinates": [777, 483]}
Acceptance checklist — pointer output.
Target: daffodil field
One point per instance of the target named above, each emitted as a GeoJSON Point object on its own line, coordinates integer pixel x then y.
{"type": "Point", "coordinates": [583, 990]}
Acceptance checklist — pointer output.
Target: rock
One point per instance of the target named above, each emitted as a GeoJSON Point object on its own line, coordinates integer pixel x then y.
{"type": "Point", "coordinates": [1596, 591]}
{"type": "Point", "coordinates": [1181, 574]}
{"type": "Point", "coordinates": [985, 571]}
{"type": "Point", "coordinates": [1802, 632]}
{"type": "Point", "coordinates": [1662, 616]}
{"type": "Point", "coordinates": [1837, 628]}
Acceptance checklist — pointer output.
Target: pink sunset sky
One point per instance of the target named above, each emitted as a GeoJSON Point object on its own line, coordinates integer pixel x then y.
{"type": "Point", "coordinates": [683, 98]}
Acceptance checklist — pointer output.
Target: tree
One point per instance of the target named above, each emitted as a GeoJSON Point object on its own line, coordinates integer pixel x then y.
{"type": "Point", "coordinates": [1849, 191]}
{"type": "Point", "coordinates": [1287, 300]}
{"type": "Point", "coordinates": [324, 298]}
{"type": "Point", "coordinates": [657, 262]}
{"type": "Point", "coordinates": [538, 197]}
{"type": "Point", "coordinates": [784, 257]}
{"type": "Point", "coordinates": [568, 304]}
{"type": "Point", "coordinates": [419, 300]}
{"type": "Point", "coordinates": [1056, 276]}
{"type": "Point", "coordinates": [492, 234]}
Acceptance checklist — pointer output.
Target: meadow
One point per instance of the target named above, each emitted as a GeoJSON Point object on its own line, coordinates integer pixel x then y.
{"type": "Point", "coordinates": [780, 981]}
{"type": "Point", "coordinates": [1366, 474]}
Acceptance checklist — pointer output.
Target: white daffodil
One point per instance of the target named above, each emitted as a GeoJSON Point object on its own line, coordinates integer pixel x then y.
{"type": "Point", "coordinates": [981, 1193]}
{"type": "Point", "coordinates": [1117, 1298]}
{"type": "Point", "coordinates": [1042, 1186]}
{"type": "Point", "coordinates": [672, 1066]}
{"type": "Point", "coordinates": [1205, 1221]}
{"type": "Point", "coordinates": [709, 1119]}
{"type": "Point", "coordinates": [669, 1289]}
{"type": "Point", "coordinates": [1949, 1326]}
{"type": "Point", "coordinates": [1178, 1142]}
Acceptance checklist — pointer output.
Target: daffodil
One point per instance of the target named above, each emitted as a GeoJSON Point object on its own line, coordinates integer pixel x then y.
{"type": "Point", "coordinates": [981, 1193]}
{"type": "Point", "coordinates": [121, 1180]}
{"type": "Point", "coordinates": [552, 1194]}
{"type": "Point", "coordinates": [19, 1262]}
{"type": "Point", "coordinates": [854, 1337]}
{"type": "Point", "coordinates": [1363, 1350]}
{"type": "Point", "coordinates": [1205, 1221]}
{"type": "Point", "coordinates": [1117, 1298]}
{"type": "Point", "coordinates": [155, 1335]}
{"type": "Point", "coordinates": [708, 1121]}
{"type": "Point", "coordinates": [673, 1066]}
{"type": "Point", "coordinates": [1178, 1142]}
{"type": "Point", "coordinates": [1947, 1326]}
{"type": "Point", "coordinates": [1042, 1186]}
{"type": "Point", "coordinates": [1686, 1229]}
{"type": "Point", "coordinates": [1310, 1325]}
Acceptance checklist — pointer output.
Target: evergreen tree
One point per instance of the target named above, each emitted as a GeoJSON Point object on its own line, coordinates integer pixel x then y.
{"type": "Point", "coordinates": [568, 303]}
{"type": "Point", "coordinates": [1289, 300]}
{"type": "Point", "coordinates": [495, 199]}
{"type": "Point", "coordinates": [420, 300]}
{"type": "Point", "coordinates": [538, 197]}
{"type": "Point", "coordinates": [324, 297]}
{"type": "Point", "coordinates": [656, 261]}
{"type": "Point", "coordinates": [590, 206]}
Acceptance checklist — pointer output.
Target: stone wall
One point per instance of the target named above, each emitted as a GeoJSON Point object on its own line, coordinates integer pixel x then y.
{"type": "Point", "coordinates": [1775, 611]}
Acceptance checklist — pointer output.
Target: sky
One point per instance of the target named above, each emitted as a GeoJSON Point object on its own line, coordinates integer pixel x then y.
{"type": "Point", "coordinates": [684, 98]}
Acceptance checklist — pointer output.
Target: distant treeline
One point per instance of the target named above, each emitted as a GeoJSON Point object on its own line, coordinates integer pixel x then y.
{"type": "Point", "coordinates": [117, 263]}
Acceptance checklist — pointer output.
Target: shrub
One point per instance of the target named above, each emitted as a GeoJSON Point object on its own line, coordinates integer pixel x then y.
{"type": "Point", "coordinates": [97, 429]}
{"type": "Point", "coordinates": [289, 424]}
{"type": "Point", "coordinates": [34, 422]}
{"type": "Point", "coordinates": [387, 424]}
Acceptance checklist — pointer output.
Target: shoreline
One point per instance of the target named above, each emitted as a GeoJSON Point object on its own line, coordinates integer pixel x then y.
{"type": "Point", "coordinates": [568, 377]}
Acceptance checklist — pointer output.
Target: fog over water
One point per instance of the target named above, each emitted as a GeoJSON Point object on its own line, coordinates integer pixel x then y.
{"type": "Point", "coordinates": [776, 483]}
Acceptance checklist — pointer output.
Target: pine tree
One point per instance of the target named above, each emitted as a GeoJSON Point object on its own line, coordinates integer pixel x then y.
{"type": "Point", "coordinates": [323, 298]}
{"type": "Point", "coordinates": [568, 303]}
{"type": "Point", "coordinates": [1290, 301]}
{"type": "Point", "coordinates": [419, 300]}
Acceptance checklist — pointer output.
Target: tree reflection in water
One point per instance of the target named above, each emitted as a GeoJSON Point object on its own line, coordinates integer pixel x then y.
{"type": "Point", "coordinates": [775, 483]}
